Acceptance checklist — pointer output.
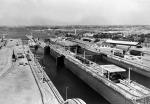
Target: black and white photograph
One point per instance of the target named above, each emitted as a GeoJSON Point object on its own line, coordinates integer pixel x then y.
{"type": "Point", "coordinates": [74, 51]}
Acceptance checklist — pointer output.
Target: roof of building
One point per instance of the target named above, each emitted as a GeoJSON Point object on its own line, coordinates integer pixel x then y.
{"type": "Point", "coordinates": [121, 42]}
{"type": "Point", "coordinates": [112, 68]}
{"type": "Point", "coordinates": [123, 47]}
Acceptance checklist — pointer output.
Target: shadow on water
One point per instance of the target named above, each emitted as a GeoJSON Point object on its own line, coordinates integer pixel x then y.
{"type": "Point", "coordinates": [63, 78]}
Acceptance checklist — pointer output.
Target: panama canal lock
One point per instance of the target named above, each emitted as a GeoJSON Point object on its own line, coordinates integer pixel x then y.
{"type": "Point", "coordinates": [46, 50]}
{"type": "Point", "coordinates": [60, 61]}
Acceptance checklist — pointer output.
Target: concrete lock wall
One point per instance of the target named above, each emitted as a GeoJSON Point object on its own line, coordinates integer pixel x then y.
{"type": "Point", "coordinates": [60, 61]}
{"type": "Point", "coordinates": [46, 50]}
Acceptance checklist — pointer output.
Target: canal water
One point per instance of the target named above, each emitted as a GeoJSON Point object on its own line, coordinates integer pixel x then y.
{"type": "Point", "coordinates": [64, 79]}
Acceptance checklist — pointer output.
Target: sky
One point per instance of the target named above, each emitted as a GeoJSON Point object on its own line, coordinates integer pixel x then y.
{"type": "Point", "coordinates": [74, 12]}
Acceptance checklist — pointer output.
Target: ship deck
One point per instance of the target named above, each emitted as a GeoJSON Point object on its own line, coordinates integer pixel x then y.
{"type": "Point", "coordinates": [18, 83]}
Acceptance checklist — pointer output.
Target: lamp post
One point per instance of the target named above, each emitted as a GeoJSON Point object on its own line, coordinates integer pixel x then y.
{"type": "Point", "coordinates": [141, 58]}
{"type": "Point", "coordinates": [129, 75]}
{"type": "Point", "coordinates": [43, 74]}
{"type": "Point", "coordinates": [84, 54]}
{"type": "Point", "coordinates": [67, 92]}
{"type": "Point", "coordinates": [76, 50]}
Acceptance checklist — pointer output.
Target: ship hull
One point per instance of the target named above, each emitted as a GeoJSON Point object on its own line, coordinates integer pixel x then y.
{"type": "Point", "coordinates": [107, 92]}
